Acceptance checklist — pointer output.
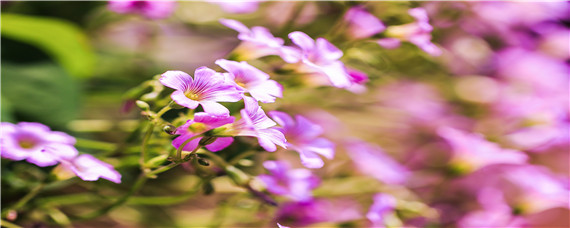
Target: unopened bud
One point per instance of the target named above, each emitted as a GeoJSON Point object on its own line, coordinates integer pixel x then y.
{"type": "Point", "coordinates": [12, 215]}
{"type": "Point", "coordinates": [207, 140]}
{"type": "Point", "coordinates": [143, 105]}
{"type": "Point", "coordinates": [169, 129]}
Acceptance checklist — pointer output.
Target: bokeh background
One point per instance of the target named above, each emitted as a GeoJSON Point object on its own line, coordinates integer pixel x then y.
{"type": "Point", "coordinates": [503, 73]}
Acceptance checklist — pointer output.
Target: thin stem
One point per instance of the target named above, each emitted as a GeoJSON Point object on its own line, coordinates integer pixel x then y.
{"type": "Point", "coordinates": [179, 150]}
{"type": "Point", "coordinates": [24, 199]}
{"type": "Point", "coordinates": [217, 159]}
{"type": "Point", "coordinates": [163, 110]}
{"type": "Point", "coordinates": [146, 138]}
{"type": "Point", "coordinates": [242, 156]}
{"type": "Point", "coordinates": [7, 224]}
{"type": "Point", "coordinates": [173, 164]}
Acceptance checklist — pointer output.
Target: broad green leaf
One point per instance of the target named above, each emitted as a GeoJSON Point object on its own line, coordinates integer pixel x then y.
{"type": "Point", "coordinates": [40, 92]}
{"type": "Point", "coordinates": [61, 39]}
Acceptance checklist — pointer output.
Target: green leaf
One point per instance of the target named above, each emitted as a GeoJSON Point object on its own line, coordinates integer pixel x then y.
{"type": "Point", "coordinates": [62, 40]}
{"type": "Point", "coordinates": [40, 92]}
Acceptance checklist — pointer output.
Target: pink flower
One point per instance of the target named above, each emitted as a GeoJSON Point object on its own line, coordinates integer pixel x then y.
{"type": "Point", "coordinates": [250, 79]}
{"type": "Point", "coordinates": [89, 168]}
{"type": "Point", "coordinates": [201, 123]}
{"type": "Point", "coordinates": [238, 7]}
{"type": "Point", "coordinates": [206, 88]}
{"type": "Point", "coordinates": [383, 205]}
{"type": "Point", "coordinates": [319, 57]}
{"type": "Point", "coordinates": [149, 9]}
{"type": "Point", "coordinates": [257, 41]}
{"type": "Point", "coordinates": [303, 136]}
{"type": "Point", "coordinates": [418, 33]}
{"type": "Point", "coordinates": [295, 184]}
{"type": "Point", "coordinates": [255, 123]}
{"type": "Point", "coordinates": [362, 24]}
{"type": "Point", "coordinates": [472, 151]}
{"type": "Point", "coordinates": [35, 143]}
{"type": "Point", "coordinates": [371, 160]}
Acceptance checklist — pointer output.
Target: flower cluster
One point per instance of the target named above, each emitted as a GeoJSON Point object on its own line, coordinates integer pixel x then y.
{"type": "Point", "coordinates": [37, 144]}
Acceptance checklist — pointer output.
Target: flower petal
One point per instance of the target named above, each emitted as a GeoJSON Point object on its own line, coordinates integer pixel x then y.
{"type": "Point", "coordinates": [181, 99]}
{"type": "Point", "coordinates": [305, 42]}
{"type": "Point", "coordinates": [220, 144]}
{"type": "Point", "coordinates": [215, 108]}
{"type": "Point", "coordinates": [177, 80]}
{"type": "Point", "coordinates": [235, 25]}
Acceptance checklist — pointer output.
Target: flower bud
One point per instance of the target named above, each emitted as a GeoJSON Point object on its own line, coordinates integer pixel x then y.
{"type": "Point", "coordinates": [203, 161]}
{"type": "Point", "coordinates": [207, 140]}
{"type": "Point", "coordinates": [169, 129]}
{"type": "Point", "coordinates": [143, 105]}
{"type": "Point", "coordinates": [237, 176]}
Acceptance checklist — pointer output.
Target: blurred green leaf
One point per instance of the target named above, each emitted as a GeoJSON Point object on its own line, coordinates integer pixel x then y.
{"type": "Point", "coordinates": [61, 39]}
{"type": "Point", "coordinates": [40, 92]}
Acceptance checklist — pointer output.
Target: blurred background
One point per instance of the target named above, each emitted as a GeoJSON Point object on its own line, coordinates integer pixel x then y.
{"type": "Point", "coordinates": [503, 74]}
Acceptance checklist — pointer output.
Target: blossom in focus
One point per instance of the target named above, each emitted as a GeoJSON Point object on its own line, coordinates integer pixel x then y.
{"type": "Point", "coordinates": [89, 168]}
{"type": "Point", "coordinates": [250, 79]}
{"type": "Point", "coordinates": [35, 143]}
{"type": "Point", "coordinates": [295, 184]}
{"type": "Point", "coordinates": [149, 9]}
{"type": "Point", "coordinates": [303, 136]}
{"type": "Point", "coordinates": [254, 122]}
{"type": "Point", "coordinates": [472, 151]}
{"type": "Point", "coordinates": [206, 88]}
{"type": "Point", "coordinates": [362, 24]}
{"type": "Point", "coordinates": [319, 57]}
{"type": "Point", "coordinates": [201, 123]}
{"type": "Point", "coordinates": [371, 160]}
{"type": "Point", "coordinates": [384, 205]}
{"type": "Point", "coordinates": [238, 7]}
{"type": "Point", "coordinates": [257, 41]}
{"type": "Point", "coordinates": [418, 33]}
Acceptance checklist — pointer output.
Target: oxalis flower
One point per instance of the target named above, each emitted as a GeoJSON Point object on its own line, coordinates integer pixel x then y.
{"type": "Point", "coordinates": [303, 136]}
{"type": "Point", "coordinates": [206, 88]}
{"type": "Point", "coordinates": [250, 79]}
{"type": "Point", "coordinates": [149, 9]}
{"type": "Point", "coordinates": [201, 123]}
{"type": "Point", "coordinates": [295, 184]}
{"type": "Point", "coordinates": [319, 57]}
{"type": "Point", "coordinates": [257, 41]}
{"type": "Point", "coordinates": [36, 143]}
{"type": "Point", "coordinates": [371, 160]}
{"type": "Point", "coordinates": [89, 168]}
{"type": "Point", "coordinates": [384, 206]}
{"type": "Point", "coordinates": [255, 123]}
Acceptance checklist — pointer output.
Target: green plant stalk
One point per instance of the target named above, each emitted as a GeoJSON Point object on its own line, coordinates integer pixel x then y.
{"type": "Point", "coordinates": [35, 191]}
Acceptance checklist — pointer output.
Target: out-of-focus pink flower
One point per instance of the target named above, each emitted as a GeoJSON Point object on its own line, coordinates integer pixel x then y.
{"type": "Point", "coordinates": [494, 213]}
{"type": "Point", "coordinates": [36, 143]}
{"type": "Point", "coordinates": [472, 151]}
{"type": "Point", "coordinates": [319, 57]}
{"type": "Point", "coordinates": [295, 184]}
{"type": "Point", "coordinates": [257, 41]}
{"type": "Point", "coordinates": [238, 7]}
{"type": "Point", "coordinates": [371, 160]}
{"type": "Point", "coordinates": [422, 102]}
{"type": "Point", "coordinates": [206, 88]}
{"type": "Point", "coordinates": [255, 123]}
{"type": "Point", "coordinates": [418, 33]}
{"type": "Point", "coordinates": [149, 9]}
{"type": "Point", "coordinates": [281, 226]}
{"type": "Point", "coordinates": [299, 214]}
{"type": "Point", "coordinates": [383, 205]}
{"type": "Point", "coordinates": [362, 24]}
{"type": "Point", "coordinates": [201, 123]}
{"type": "Point", "coordinates": [303, 136]}
{"type": "Point", "coordinates": [89, 168]}
{"type": "Point", "coordinates": [358, 80]}
{"type": "Point", "coordinates": [250, 79]}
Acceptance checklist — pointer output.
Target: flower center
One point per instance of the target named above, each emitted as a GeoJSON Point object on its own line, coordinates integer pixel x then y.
{"type": "Point", "coordinates": [192, 95]}
{"type": "Point", "coordinates": [26, 143]}
{"type": "Point", "coordinates": [197, 127]}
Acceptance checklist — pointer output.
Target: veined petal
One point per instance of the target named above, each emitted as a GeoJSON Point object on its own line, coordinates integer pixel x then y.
{"type": "Point", "coordinates": [266, 91]}
{"type": "Point", "coordinates": [310, 159]}
{"type": "Point", "coordinates": [268, 138]}
{"type": "Point", "coordinates": [336, 73]}
{"type": "Point", "coordinates": [178, 141]}
{"type": "Point", "coordinates": [215, 108]}
{"type": "Point", "coordinates": [220, 144]}
{"type": "Point", "coordinates": [306, 128]}
{"type": "Point", "coordinates": [326, 50]}
{"type": "Point", "coordinates": [177, 80]}
{"type": "Point", "coordinates": [212, 121]}
{"type": "Point", "coordinates": [181, 99]}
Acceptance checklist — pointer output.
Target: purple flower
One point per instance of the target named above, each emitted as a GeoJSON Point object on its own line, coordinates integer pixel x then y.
{"type": "Point", "coordinates": [238, 7]}
{"type": "Point", "coordinates": [303, 136]}
{"type": "Point", "coordinates": [281, 226]}
{"type": "Point", "coordinates": [89, 168]}
{"type": "Point", "coordinates": [383, 205]}
{"type": "Point", "coordinates": [362, 24]}
{"type": "Point", "coordinates": [319, 57]}
{"type": "Point", "coordinates": [295, 184]}
{"type": "Point", "coordinates": [495, 212]}
{"type": "Point", "coordinates": [250, 79]}
{"type": "Point", "coordinates": [418, 33]}
{"type": "Point", "coordinates": [36, 143]}
{"type": "Point", "coordinates": [255, 123]}
{"type": "Point", "coordinates": [472, 151]}
{"type": "Point", "coordinates": [299, 214]}
{"type": "Point", "coordinates": [149, 9]}
{"type": "Point", "coordinates": [258, 41]}
{"type": "Point", "coordinates": [201, 123]}
{"type": "Point", "coordinates": [206, 88]}
{"type": "Point", "coordinates": [358, 79]}
{"type": "Point", "coordinates": [371, 160]}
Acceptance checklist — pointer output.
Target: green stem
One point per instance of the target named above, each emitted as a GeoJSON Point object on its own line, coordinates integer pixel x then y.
{"type": "Point", "coordinates": [217, 159]}
{"type": "Point", "coordinates": [35, 191]}
{"type": "Point", "coordinates": [92, 144]}
{"type": "Point", "coordinates": [173, 164]}
{"type": "Point", "coordinates": [242, 156]}
{"type": "Point", "coordinates": [163, 110]}
{"type": "Point", "coordinates": [146, 138]}
{"type": "Point", "coordinates": [7, 224]}
{"type": "Point", "coordinates": [179, 150]}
